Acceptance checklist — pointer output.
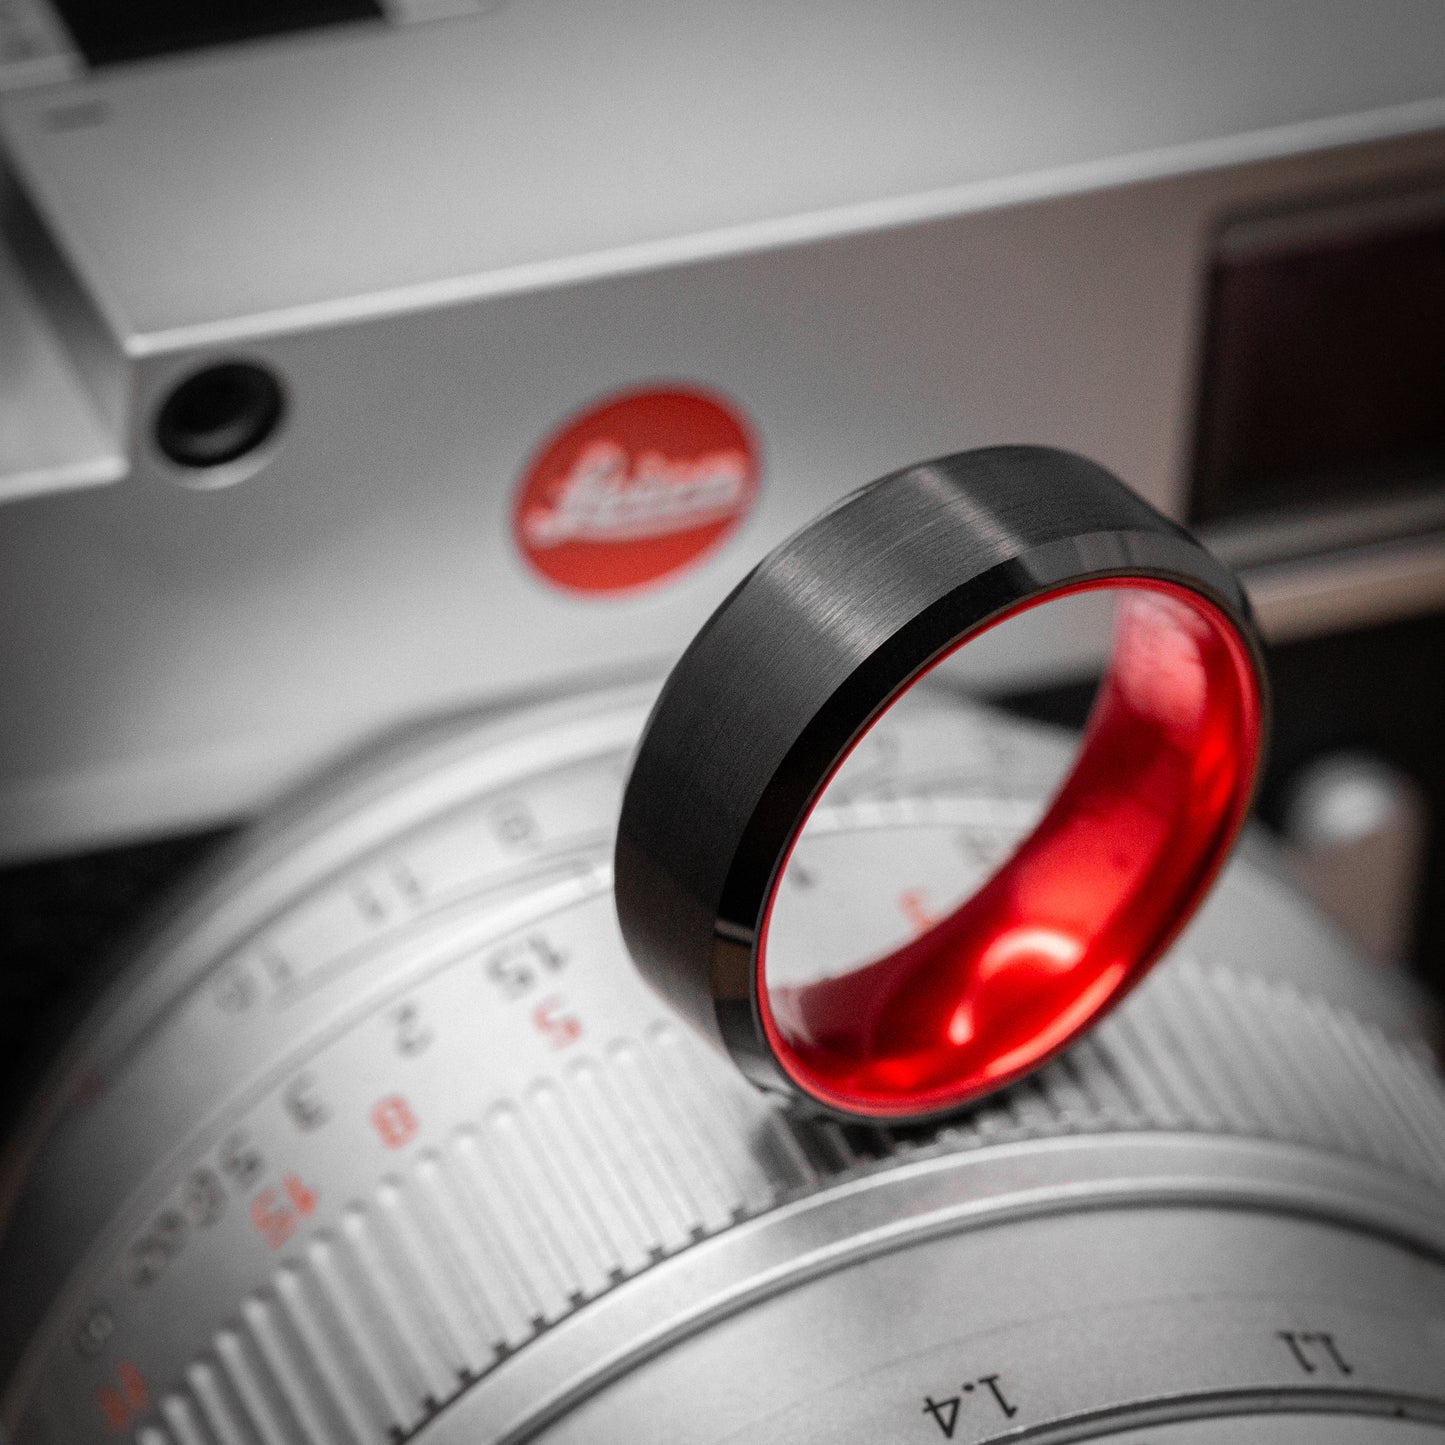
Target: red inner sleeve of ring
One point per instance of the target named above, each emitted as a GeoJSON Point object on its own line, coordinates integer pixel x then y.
{"type": "Point", "coordinates": [1085, 904]}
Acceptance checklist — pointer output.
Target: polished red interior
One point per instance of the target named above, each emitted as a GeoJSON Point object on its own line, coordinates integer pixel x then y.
{"type": "Point", "coordinates": [1085, 904]}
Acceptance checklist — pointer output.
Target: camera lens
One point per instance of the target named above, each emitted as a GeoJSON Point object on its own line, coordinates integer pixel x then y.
{"type": "Point", "coordinates": [219, 414]}
{"type": "Point", "coordinates": [383, 1138]}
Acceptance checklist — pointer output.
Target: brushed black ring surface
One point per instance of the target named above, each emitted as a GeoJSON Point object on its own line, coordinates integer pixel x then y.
{"type": "Point", "coordinates": [808, 651]}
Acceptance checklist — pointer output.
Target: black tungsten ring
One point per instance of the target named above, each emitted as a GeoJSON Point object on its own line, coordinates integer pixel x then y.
{"type": "Point", "coordinates": [796, 666]}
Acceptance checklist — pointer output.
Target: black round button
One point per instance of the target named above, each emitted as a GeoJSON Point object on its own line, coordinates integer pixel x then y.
{"type": "Point", "coordinates": [219, 414]}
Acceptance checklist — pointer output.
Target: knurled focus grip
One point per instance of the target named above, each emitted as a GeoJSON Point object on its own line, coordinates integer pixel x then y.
{"type": "Point", "coordinates": [800, 661]}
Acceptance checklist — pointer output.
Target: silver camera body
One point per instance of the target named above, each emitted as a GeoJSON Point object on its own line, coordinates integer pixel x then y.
{"type": "Point", "coordinates": [873, 237]}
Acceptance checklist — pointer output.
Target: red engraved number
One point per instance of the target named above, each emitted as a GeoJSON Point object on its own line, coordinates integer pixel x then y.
{"type": "Point", "coordinates": [275, 1221]}
{"type": "Point", "coordinates": [394, 1122]}
{"type": "Point", "coordinates": [125, 1400]}
{"type": "Point", "coordinates": [303, 1199]}
{"type": "Point", "coordinates": [561, 1028]}
{"type": "Point", "coordinates": [912, 906]}
{"type": "Point", "coordinates": [113, 1407]}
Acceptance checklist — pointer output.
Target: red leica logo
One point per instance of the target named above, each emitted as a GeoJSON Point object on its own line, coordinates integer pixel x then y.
{"type": "Point", "coordinates": [635, 489]}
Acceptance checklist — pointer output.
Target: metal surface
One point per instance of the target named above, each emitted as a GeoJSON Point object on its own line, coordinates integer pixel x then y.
{"type": "Point", "coordinates": [978, 97]}
{"type": "Point", "coordinates": [1354, 587]}
{"type": "Point", "coordinates": [380, 1138]}
{"type": "Point", "coordinates": [1357, 830]}
{"type": "Point", "coordinates": [54, 440]}
{"type": "Point", "coordinates": [882, 236]}
{"type": "Point", "coordinates": [34, 48]}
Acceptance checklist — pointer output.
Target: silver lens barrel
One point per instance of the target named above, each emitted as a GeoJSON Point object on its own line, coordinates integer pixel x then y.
{"type": "Point", "coordinates": [381, 1138]}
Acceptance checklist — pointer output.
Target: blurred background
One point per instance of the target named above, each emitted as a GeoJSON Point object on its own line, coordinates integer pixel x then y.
{"type": "Point", "coordinates": [295, 295]}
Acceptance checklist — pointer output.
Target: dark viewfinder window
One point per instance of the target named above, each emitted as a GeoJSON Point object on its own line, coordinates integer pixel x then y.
{"type": "Point", "coordinates": [1324, 360]}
